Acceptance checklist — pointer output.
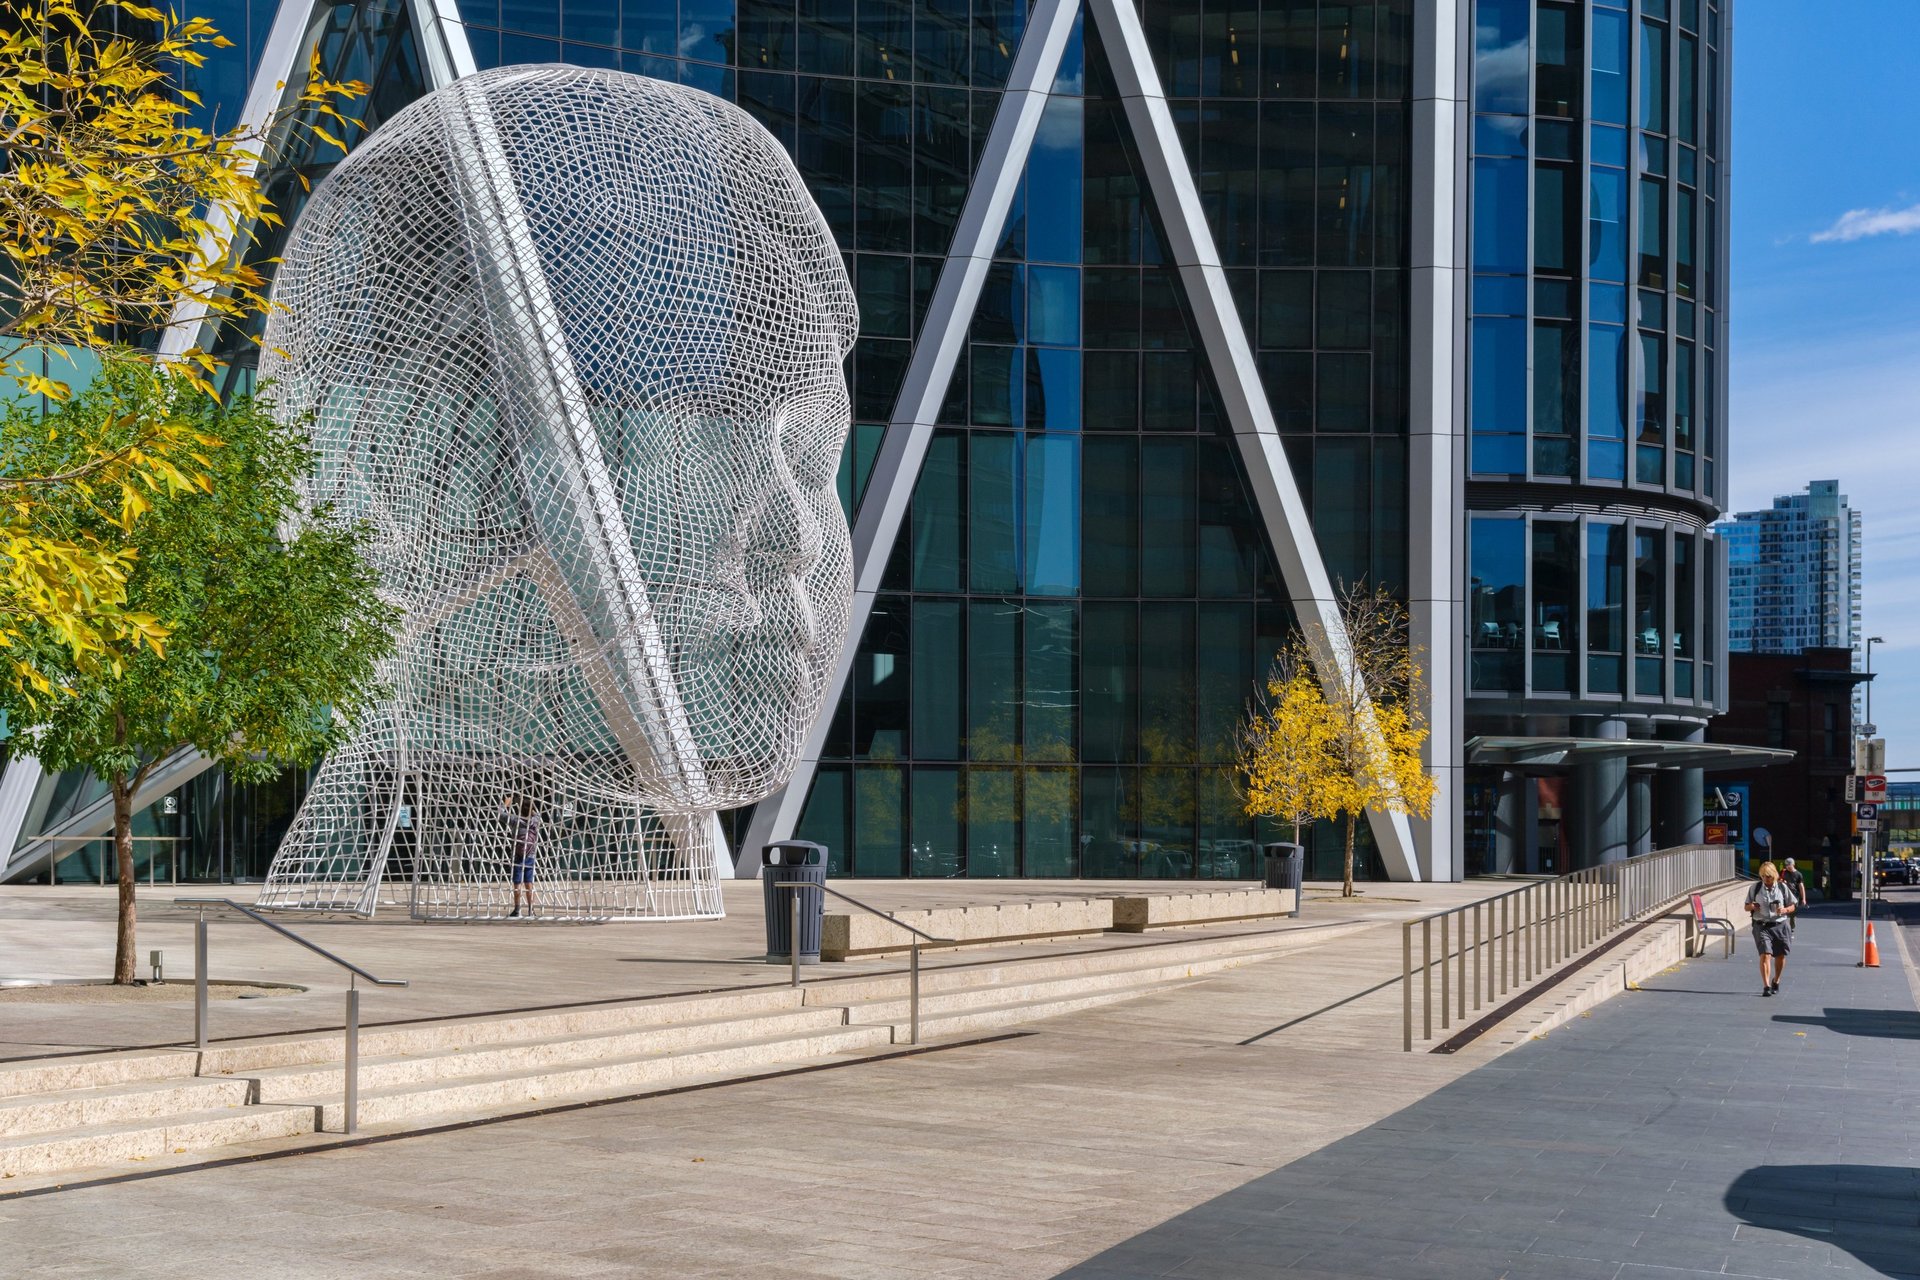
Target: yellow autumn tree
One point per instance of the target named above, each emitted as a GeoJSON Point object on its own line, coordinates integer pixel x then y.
{"type": "Point", "coordinates": [1339, 731]}
{"type": "Point", "coordinates": [114, 209]}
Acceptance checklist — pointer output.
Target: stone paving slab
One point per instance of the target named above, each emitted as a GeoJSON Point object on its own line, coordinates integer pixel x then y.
{"type": "Point", "coordinates": [1692, 1128]}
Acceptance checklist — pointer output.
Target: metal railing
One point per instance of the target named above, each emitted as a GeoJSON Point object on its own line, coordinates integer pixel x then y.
{"type": "Point", "coordinates": [354, 971]}
{"type": "Point", "coordinates": [913, 960]}
{"type": "Point", "coordinates": [1513, 938]}
{"type": "Point", "coordinates": [107, 861]}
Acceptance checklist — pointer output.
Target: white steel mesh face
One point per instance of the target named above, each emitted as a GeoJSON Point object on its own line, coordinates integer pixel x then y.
{"type": "Point", "coordinates": [572, 341]}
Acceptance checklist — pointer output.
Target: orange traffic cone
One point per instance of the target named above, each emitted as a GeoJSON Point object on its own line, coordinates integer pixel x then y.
{"type": "Point", "coordinates": [1872, 960]}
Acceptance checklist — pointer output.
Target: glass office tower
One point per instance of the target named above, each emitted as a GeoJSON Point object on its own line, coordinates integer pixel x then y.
{"type": "Point", "coordinates": [1476, 249]}
{"type": "Point", "coordinates": [1597, 424]}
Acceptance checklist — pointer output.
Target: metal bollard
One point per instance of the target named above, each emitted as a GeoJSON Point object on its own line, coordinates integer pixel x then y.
{"type": "Point", "coordinates": [793, 937]}
{"type": "Point", "coordinates": [353, 1056]}
{"type": "Point", "coordinates": [913, 994]}
{"type": "Point", "coordinates": [200, 980]}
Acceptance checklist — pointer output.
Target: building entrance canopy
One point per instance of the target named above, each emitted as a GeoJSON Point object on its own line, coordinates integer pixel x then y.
{"type": "Point", "coordinates": [1556, 754]}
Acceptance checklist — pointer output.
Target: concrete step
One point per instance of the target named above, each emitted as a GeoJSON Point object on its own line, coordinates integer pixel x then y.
{"type": "Point", "coordinates": [247, 1056]}
{"type": "Point", "coordinates": [116, 1103]}
{"type": "Point", "coordinates": [35, 1076]}
{"type": "Point", "coordinates": [974, 1017]}
{"type": "Point", "coordinates": [514, 1056]}
{"type": "Point", "coordinates": [103, 1146]}
{"type": "Point", "coordinates": [400, 1106]}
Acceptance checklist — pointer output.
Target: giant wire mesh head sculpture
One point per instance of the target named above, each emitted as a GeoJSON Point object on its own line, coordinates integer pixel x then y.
{"type": "Point", "coordinates": [571, 340]}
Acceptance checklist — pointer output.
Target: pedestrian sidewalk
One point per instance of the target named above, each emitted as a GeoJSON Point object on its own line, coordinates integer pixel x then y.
{"type": "Point", "coordinates": [1692, 1128]}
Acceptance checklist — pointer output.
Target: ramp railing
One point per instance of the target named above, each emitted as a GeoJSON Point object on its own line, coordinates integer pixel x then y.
{"type": "Point", "coordinates": [1499, 944]}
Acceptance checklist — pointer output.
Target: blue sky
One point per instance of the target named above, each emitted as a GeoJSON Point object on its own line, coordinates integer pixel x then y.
{"type": "Point", "coordinates": [1825, 312]}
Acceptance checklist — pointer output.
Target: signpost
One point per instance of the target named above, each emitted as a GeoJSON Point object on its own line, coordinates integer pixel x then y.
{"type": "Point", "coordinates": [1873, 788]}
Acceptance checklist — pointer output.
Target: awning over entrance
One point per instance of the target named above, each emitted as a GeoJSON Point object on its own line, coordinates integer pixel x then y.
{"type": "Point", "coordinates": [1549, 754]}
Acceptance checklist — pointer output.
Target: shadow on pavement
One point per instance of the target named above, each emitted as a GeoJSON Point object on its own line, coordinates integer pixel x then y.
{"type": "Point", "coordinates": [1870, 1211]}
{"type": "Point", "coordinates": [1886, 1024]}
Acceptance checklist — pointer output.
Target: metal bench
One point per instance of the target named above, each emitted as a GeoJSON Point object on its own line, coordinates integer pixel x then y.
{"type": "Point", "coordinates": [1708, 925]}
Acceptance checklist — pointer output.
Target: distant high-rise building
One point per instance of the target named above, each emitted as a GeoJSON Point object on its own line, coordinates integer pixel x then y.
{"type": "Point", "coordinates": [1793, 574]}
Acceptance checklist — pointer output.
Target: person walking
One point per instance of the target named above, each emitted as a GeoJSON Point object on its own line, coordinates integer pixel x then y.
{"type": "Point", "coordinates": [1771, 904]}
{"type": "Point", "coordinates": [1797, 883]}
{"type": "Point", "coordinates": [526, 845]}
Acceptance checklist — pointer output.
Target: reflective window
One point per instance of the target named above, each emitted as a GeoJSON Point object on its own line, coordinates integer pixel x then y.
{"type": "Point", "coordinates": [1555, 626]}
{"type": "Point", "coordinates": [1610, 63]}
{"type": "Point", "coordinates": [1607, 225]}
{"type": "Point", "coordinates": [1500, 216]}
{"type": "Point", "coordinates": [1685, 610]}
{"type": "Point", "coordinates": [1607, 401]}
{"type": "Point", "coordinates": [1650, 410]}
{"type": "Point", "coordinates": [1653, 77]}
{"type": "Point", "coordinates": [1556, 397]}
{"type": "Point", "coordinates": [1650, 635]}
{"type": "Point", "coordinates": [1500, 62]}
{"type": "Point", "coordinates": [1052, 516]}
{"type": "Point", "coordinates": [1653, 233]}
{"type": "Point", "coordinates": [1559, 63]}
{"type": "Point", "coordinates": [1499, 390]}
{"type": "Point", "coordinates": [1496, 600]}
{"type": "Point", "coordinates": [1606, 607]}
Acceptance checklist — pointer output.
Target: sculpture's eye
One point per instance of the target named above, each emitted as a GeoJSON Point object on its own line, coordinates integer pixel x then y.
{"type": "Point", "coordinates": [812, 446]}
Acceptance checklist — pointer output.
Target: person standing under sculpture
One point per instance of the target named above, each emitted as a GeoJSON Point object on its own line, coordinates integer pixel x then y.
{"type": "Point", "coordinates": [526, 848]}
{"type": "Point", "coordinates": [1771, 904]}
{"type": "Point", "coordinates": [1797, 884]}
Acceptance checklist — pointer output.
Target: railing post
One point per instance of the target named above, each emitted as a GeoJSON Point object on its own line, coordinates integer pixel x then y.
{"type": "Point", "coordinates": [1446, 1001]}
{"type": "Point", "coordinates": [353, 1055]}
{"type": "Point", "coordinates": [913, 995]}
{"type": "Point", "coordinates": [1426, 977]}
{"type": "Point", "coordinates": [1460, 987]}
{"type": "Point", "coordinates": [793, 937]}
{"type": "Point", "coordinates": [200, 980]}
{"type": "Point", "coordinates": [1406, 986]}
{"type": "Point", "coordinates": [1479, 940]}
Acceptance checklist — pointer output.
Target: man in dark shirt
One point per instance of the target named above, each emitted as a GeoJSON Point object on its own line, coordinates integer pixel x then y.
{"type": "Point", "coordinates": [1796, 882]}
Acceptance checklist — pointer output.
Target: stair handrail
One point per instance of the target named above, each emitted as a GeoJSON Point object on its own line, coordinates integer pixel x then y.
{"type": "Point", "coordinates": [355, 972]}
{"type": "Point", "coordinates": [913, 961]}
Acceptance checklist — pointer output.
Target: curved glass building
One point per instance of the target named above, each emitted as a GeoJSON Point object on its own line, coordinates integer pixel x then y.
{"type": "Point", "coordinates": [1175, 315]}
{"type": "Point", "coordinates": [1597, 425]}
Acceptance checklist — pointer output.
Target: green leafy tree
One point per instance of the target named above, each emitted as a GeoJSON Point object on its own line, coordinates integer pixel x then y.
{"type": "Point", "coordinates": [274, 624]}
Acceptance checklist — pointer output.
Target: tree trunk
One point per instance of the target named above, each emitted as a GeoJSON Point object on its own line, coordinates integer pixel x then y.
{"type": "Point", "coordinates": [123, 860]}
{"type": "Point", "coordinates": [1346, 884]}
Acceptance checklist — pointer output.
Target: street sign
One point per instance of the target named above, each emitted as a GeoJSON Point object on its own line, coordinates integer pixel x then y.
{"type": "Point", "coordinates": [1873, 786]}
{"type": "Point", "coordinates": [1853, 788]}
{"type": "Point", "coordinates": [1866, 811]}
{"type": "Point", "coordinates": [1869, 824]}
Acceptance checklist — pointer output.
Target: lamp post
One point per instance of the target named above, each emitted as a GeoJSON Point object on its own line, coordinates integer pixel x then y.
{"type": "Point", "coordinates": [1871, 641]}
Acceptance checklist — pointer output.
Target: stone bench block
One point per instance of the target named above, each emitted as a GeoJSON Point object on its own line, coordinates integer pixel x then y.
{"type": "Point", "coordinates": [1160, 910]}
{"type": "Point", "coordinates": [860, 934]}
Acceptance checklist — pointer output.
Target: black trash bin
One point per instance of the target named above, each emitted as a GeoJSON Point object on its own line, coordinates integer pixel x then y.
{"type": "Point", "coordinates": [1286, 868]}
{"type": "Point", "coordinates": [790, 861]}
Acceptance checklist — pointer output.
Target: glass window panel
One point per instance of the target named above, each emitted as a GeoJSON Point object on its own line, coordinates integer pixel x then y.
{"type": "Point", "coordinates": [1286, 309]}
{"type": "Point", "coordinates": [1166, 683]}
{"type": "Point", "coordinates": [1683, 395]}
{"type": "Point", "coordinates": [826, 37]}
{"type": "Point", "coordinates": [937, 516]}
{"type": "Point", "coordinates": [1161, 322]}
{"type": "Point", "coordinates": [1109, 824]}
{"type": "Point", "coordinates": [993, 685]}
{"type": "Point", "coordinates": [935, 847]}
{"type": "Point", "coordinates": [1110, 393]}
{"type": "Point", "coordinates": [1167, 523]}
{"type": "Point", "coordinates": [1499, 295]}
{"type": "Point", "coordinates": [767, 35]}
{"type": "Point", "coordinates": [1112, 311]}
{"type": "Point", "coordinates": [1556, 219]}
{"type": "Point", "coordinates": [544, 19]}
{"type": "Point", "coordinates": [1341, 469]}
{"type": "Point", "coordinates": [1556, 379]}
{"type": "Point", "coordinates": [937, 674]}
{"type": "Point", "coordinates": [1500, 135]}
{"type": "Point", "coordinates": [1496, 606]}
{"type": "Point", "coordinates": [1226, 678]}
{"type": "Point", "coordinates": [1650, 409]}
{"type": "Point", "coordinates": [1288, 44]}
{"type": "Point", "coordinates": [1500, 216]}
{"type": "Point", "coordinates": [1050, 805]}
{"type": "Point", "coordinates": [1650, 611]}
{"type": "Point", "coordinates": [880, 683]}
{"type": "Point", "coordinates": [1344, 177]}
{"type": "Point", "coordinates": [1052, 685]}
{"type": "Point", "coordinates": [1167, 391]}
{"type": "Point", "coordinates": [941, 39]}
{"type": "Point", "coordinates": [879, 367]}
{"type": "Point", "coordinates": [1499, 375]}
{"type": "Point", "coordinates": [1607, 225]}
{"type": "Point", "coordinates": [1555, 625]}
{"type": "Point", "coordinates": [824, 819]}
{"type": "Point", "coordinates": [1001, 315]}
{"type": "Point", "coordinates": [1606, 606]}
{"type": "Point", "coordinates": [1288, 379]}
{"type": "Point", "coordinates": [1554, 140]}
{"type": "Point", "coordinates": [1653, 77]}
{"type": "Point", "coordinates": [997, 399]}
{"type": "Point", "coordinates": [1388, 518]}
{"type": "Point", "coordinates": [1653, 233]}
{"type": "Point", "coordinates": [1341, 391]}
{"type": "Point", "coordinates": [1683, 233]}
{"type": "Point", "coordinates": [1287, 183]}
{"type": "Point", "coordinates": [885, 209]}
{"type": "Point", "coordinates": [1053, 390]}
{"type": "Point", "coordinates": [993, 513]}
{"type": "Point", "coordinates": [1686, 636]}
{"type": "Point", "coordinates": [1559, 62]}
{"type": "Point", "coordinates": [879, 820]}
{"type": "Point", "coordinates": [1554, 299]}
{"type": "Point", "coordinates": [1227, 847]}
{"type": "Point", "coordinates": [1609, 146]}
{"type": "Point", "coordinates": [1345, 310]}
{"type": "Point", "coordinates": [1053, 306]}
{"type": "Point", "coordinates": [992, 834]}
{"type": "Point", "coordinates": [1610, 63]}
{"type": "Point", "coordinates": [1110, 517]}
{"type": "Point", "coordinates": [1166, 823]}
{"type": "Point", "coordinates": [942, 165]}
{"type": "Point", "coordinates": [1230, 543]}
{"type": "Point", "coordinates": [1108, 694]}
{"type": "Point", "coordinates": [1606, 382]}
{"type": "Point", "coordinates": [1687, 104]}
{"type": "Point", "coordinates": [1500, 60]}
{"type": "Point", "coordinates": [1052, 534]}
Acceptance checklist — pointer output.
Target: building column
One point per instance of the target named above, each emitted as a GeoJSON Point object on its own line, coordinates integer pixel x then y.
{"type": "Point", "coordinates": [1681, 793]}
{"type": "Point", "coordinates": [1600, 798]}
{"type": "Point", "coordinates": [1510, 825]}
{"type": "Point", "coordinates": [1639, 812]}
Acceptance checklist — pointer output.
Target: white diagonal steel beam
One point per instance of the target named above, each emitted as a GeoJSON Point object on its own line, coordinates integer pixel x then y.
{"type": "Point", "coordinates": [876, 526]}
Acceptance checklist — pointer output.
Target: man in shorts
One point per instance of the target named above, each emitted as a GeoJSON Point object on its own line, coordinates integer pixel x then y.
{"type": "Point", "coordinates": [1797, 885]}
{"type": "Point", "coordinates": [1771, 904]}
{"type": "Point", "coordinates": [526, 846]}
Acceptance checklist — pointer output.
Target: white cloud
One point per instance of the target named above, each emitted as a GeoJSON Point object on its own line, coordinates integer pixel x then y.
{"type": "Point", "coordinates": [1858, 224]}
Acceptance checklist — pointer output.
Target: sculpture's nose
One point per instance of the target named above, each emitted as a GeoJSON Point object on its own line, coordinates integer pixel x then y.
{"type": "Point", "coordinates": [789, 536]}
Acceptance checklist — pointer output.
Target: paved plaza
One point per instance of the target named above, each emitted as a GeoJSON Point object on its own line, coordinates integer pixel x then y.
{"type": "Point", "coordinates": [1258, 1122]}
